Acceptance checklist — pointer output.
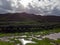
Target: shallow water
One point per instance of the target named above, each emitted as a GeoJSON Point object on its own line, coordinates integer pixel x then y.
{"type": "Point", "coordinates": [54, 36]}
{"type": "Point", "coordinates": [17, 38]}
{"type": "Point", "coordinates": [24, 41]}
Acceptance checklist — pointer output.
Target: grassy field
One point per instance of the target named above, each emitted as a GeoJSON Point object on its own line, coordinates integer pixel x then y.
{"type": "Point", "coordinates": [43, 32]}
{"type": "Point", "coordinates": [6, 43]}
{"type": "Point", "coordinates": [45, 41]}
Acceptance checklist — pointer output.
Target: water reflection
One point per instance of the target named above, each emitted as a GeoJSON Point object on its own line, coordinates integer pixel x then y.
{"type": "Point", "coordinates": [54, 36]}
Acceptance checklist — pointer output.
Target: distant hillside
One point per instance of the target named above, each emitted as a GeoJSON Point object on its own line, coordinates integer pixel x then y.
{"type": "Point", "coordinates": [28, 17]}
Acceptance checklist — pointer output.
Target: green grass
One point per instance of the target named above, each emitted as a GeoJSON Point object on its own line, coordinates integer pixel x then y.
{"type": "Point", "coordinates": [19, 23]}
{"type": "Point", "coordinates": [57, 41]}
{"type": "Point", "coordinates": [16, 41]}
{"type": "Point", "coordinates": [6, 43]}
{"type": "Point", "coordinates": [43, 32]}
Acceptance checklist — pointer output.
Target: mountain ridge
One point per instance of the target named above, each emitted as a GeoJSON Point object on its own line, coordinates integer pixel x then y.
{"type": "Point", "coordinates": [28, 17]}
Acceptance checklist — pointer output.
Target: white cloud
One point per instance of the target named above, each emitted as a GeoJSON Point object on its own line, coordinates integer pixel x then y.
{"type": "Point", "coordinates": [45, 6]}
{"type": "Point", "coordinates": [31, 6]}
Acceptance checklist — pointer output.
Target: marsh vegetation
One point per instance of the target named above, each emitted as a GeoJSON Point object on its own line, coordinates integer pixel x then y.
{"type": "Point", "coordinates": [29, 34]}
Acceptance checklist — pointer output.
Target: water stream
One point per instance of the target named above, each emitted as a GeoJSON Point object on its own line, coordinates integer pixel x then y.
{"type": "Point", "coordinates": [24, 41]}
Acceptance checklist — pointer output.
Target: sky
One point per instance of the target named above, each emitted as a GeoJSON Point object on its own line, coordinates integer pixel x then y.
{"type": "Point", "coordinates": [39, 7]}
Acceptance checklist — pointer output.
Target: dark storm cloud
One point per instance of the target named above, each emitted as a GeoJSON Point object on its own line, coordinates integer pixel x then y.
{"type": "Point", "coordinates": [5, 4]}
{"type": "Point", "coordinates": [10, 6]}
